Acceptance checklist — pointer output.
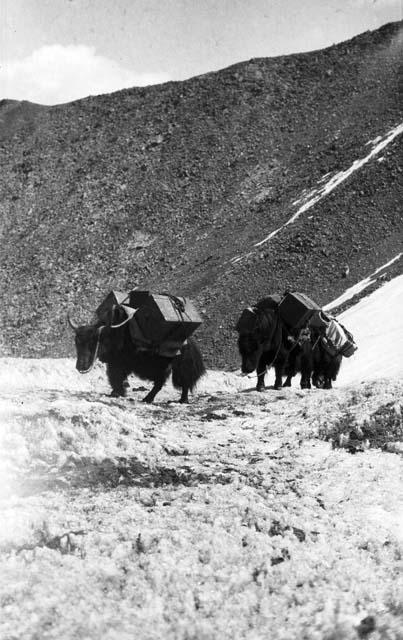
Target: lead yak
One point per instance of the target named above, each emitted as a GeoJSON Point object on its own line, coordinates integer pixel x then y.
{"type": "Point", "coordinates": [113, 345]}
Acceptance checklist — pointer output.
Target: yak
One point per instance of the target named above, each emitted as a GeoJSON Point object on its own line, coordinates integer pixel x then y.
{"type": "Point", "coordinates": [326, 365]}
{"type": "Point", "coordinates": [113, 345]}
{"type": "Point", "coordinates": [312, 352]}
{"type": "Point", "coordinates": [269, 343]}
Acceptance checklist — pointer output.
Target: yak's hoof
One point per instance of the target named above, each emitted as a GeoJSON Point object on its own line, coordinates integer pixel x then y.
{"type": "Point", "coordinates": [118, 394]}
{"type": "Point", "coordinates": [318, 382]}
{"type": "Point", "coordinates": [147, 400]}
{"type": "Point", "coordinates": [260, 389]}
{"type": "Point", "coordinates": [287, 383]}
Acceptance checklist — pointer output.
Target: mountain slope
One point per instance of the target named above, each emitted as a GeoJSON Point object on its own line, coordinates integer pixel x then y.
{"type": "Point", "coordinates": [164, 186]}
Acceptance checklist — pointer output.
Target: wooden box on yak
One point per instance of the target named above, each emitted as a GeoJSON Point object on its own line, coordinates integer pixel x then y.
{"type": "Point", "coordinates": [162, 318]}
{"type": "Point", "coordinates": [105, 310]}
{"type": "Point", "coordinates": [137, 297]}
{"type": "Point", "coordinates": [296, 309]}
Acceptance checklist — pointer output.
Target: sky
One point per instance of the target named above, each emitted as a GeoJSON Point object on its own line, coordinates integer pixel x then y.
{"type": "Point", "coordinates": [55, 51]}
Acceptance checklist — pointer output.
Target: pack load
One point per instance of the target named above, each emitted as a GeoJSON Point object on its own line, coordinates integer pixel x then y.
{"type": "Point", "coordinates": [336, 339]}
{"type": "Point", "coordinates": [138, 297]}
{"type": "Point", "coordinates": [114, 299]}
{"type": "Point", "coordinates": [163, 317]}
{"type": "Point", "coordinates": [296, 309]}
{"type": "Point", "coordinates": [158, 322]}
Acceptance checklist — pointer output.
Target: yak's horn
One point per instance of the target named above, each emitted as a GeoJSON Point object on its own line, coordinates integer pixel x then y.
{"type": "Point", "coordinates": [129, 312]}
{"type": "Point", "coordinates": [71, 323]}
{"type": "Point", "coordinates": [121, 324]}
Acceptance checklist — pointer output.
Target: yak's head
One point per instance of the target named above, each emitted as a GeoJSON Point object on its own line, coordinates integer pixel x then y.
{"type": "Point", "coordinates": [254, 339]}
{"type": "Point", "coordinates": [250, 349]}
{"type": "Point", "coordinates": [95, 341]}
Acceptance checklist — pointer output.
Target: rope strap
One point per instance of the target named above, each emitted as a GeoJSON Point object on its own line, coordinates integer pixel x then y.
{"type": "Point", "coordinates": [99, 331]}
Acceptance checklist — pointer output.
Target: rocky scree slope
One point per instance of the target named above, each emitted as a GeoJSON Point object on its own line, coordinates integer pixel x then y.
{"type": "Point", "coordinates": [163, 186]}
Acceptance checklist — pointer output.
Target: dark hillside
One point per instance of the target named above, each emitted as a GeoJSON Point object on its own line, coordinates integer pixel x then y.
{"type": "Point", "coordinates": [163, 186]}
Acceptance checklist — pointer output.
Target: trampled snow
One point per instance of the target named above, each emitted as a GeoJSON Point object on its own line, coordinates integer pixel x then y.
{"type": "Point", "coordinates": [118, 516]}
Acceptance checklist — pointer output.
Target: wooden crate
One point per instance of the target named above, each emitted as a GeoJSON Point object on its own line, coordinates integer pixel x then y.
{"type": "Point", "coordinates": [163, 317]}
{"type": "Point", "coordinates": [113, 299]}
{"type": "Point", "coordinates": [296, 309]}
{"type": "Point", "coordinates": [138, 297]}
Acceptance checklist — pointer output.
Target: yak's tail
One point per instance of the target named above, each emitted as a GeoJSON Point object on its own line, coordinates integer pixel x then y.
{"type": "Point", "coordinates": [188, 367]}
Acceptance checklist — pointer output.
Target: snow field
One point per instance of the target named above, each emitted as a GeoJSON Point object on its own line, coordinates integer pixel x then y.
{"type": "Point", "coordinates": [232, 517]}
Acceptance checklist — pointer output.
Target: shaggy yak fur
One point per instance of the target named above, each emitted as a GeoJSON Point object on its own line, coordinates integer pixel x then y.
{"type": "Point", "coordinates": [271, 343]}
{"type": "Point", "coordinates": [325, 366]}
{"type": "Point", "coordinates": [115, 348]}
{"type": "Point", "coordinates": [268, 344]}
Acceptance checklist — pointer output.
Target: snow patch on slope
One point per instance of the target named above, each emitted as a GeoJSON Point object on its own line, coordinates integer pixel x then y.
{"type": "Point", "coordinates": [360, 286]}
{"type": "Point", "coordinates": [315, 195]}
{"type": "Point", "coordinates": [376, 323]}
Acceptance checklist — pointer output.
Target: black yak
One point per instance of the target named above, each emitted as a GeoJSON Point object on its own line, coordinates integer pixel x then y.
{"type": "Point", "coordinates": [325, 365]}
{"type": "Point", "coordinates": [311, 354]}
{"type": "Point", "coordinates": [267, 342]}
{"type": "Point", "coordinates": [113, 345]}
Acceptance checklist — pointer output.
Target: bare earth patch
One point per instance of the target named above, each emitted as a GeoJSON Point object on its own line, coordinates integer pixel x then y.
{"type": "Point", "coordinates": [242, 515]}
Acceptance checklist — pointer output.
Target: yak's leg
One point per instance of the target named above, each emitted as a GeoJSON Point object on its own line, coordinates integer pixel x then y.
{"type": "Point", "coordinates": [292, 366]}
{"type": "Point", "coordinates": [184, 399]}
{"type": "Point", "coordinates": [159, 380]}
{"type": "Point", "coordinates": [290, 372]}
{"type": "Point", "coordinates": [306, 365]}
{"type": "Point", "coordinates": [287, 382]}
{"type": "Point", "coordinates": [306, 371]}
{"type": "Point", "coordinates": [327, 384]}
{"type": "Point", "coordinates": [317, 380]}
{"type": "Point", "coordinates": [279, 369]}
{"type": "Point", "coordinates": [117, 379]}
{"type": "Point", "coordinates": [261, 372]}
{"type": "Point", "coordinates": [151, 395]}
{"type": "Point", "coordinates": [305, 381]}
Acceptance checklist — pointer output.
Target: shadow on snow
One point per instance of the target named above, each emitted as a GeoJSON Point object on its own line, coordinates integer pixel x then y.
{"type": "Point", "coordinates": [110, 473]}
